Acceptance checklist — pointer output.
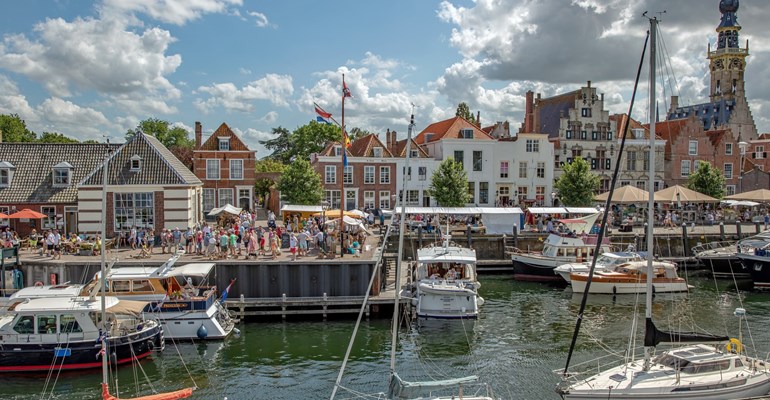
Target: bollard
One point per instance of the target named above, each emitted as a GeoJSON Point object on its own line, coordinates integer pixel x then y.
{"type": "Point", "coordinates": [685, 247]}
{"type": "Point", "coordinates": [419, 237]}
{"type": "Point", "coordinates": [738, 229]}
{"type": "Point", "coordinates": [468, 229]}
{"type": "Point", "coordinates": [721, 231]}
{"type": "Point", "coordinates": [759, 230]}
{"type": "Point", "coordinates": [515, 236]}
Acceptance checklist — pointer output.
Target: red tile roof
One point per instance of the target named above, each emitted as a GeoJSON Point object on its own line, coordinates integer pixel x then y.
{"type": "Point", "coordinates": [450, 129]}
{"type": "Point", "coordinates": [212, 144]}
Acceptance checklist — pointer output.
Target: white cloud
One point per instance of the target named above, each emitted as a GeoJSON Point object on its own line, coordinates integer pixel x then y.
{"type": "Point", "coordinates": [270, 117]}
{"type": "Point", "coordinates": [260, 19]}
{"type": "Point", "coordinates": [73, 120]}
{"type": "Point", "coordinates": [13, 102]}
{"type": "Point", "coordinates": [273, 87]}
{"type": "Point", "coordinates": [177, 12]}
{"type": "Point", "coordinates": [244, 71]}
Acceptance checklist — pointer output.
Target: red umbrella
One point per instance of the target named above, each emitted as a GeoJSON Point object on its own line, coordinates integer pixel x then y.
{"type": "Point", "coordinates": [3, 216]}
{"type": "Point", "coordinates": [27, 214]}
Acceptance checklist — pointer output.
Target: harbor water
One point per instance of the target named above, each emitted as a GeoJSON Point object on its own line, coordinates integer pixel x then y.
{"type": "Point", "coordinates": [522, 335]}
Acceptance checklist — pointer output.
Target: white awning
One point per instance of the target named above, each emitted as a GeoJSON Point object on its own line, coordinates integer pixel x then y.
{"type": "Point", "coordinates": [230, 209]}
{"type": "Point", "coordinates": [460, 210]}
{"type": "Point", "coordinates": [196, 269]}
{"type": "Point", "coordinates": [300, 208]}
{"type": "Point", "coordinates": [563, 210]}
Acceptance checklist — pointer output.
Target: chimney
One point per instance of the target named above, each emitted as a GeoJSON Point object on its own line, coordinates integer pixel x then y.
{"type": "Point", "coordinates": [674, 104]}
{"type": "Point", "coordinates": [529, 112]}
{"type": "Point", "coordinates": [478, 119]}
{"type": "Point", "coordinates": [589, 84]}
{"type": "Point", "coordinates": [393, 139]}
{"type": "Point", "coordinates": [198, 134]}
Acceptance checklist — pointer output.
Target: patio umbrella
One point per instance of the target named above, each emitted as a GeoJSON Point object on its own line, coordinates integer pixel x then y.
{"type": "Point", "coordinates": [336, 214]}
{"type": "Point", "coordinates": [3, 216]}
{"type": "Point", "coordinates": [625, 195]}
{"type": "Point", "coordinates": [760, 195]}
{"type": "Point", "coordinates": [679, 193]}
{"type": "Point", "coordinates": [27, 214]}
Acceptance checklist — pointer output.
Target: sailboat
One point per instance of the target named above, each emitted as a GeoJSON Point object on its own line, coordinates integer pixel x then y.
{"type": "Point", "coordinates": [397, 387]}
{"type": "Point", "coordinates": [105, 323]}
{"type": "Point", "coordinates": [709, 367]}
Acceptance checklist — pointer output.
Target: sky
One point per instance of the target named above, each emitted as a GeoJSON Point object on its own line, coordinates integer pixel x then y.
{"type": "Point", "coordinates": [95, 69]}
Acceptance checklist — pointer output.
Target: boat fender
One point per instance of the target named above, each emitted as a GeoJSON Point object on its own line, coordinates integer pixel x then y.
{"type": "Point", "coordinates": [414, 302]}
{"type": "Point", "coordinates": [139, 327]}
{"type": "Point", "coordinates": [237, 332]}
{"type": "Point", "coordinates": [614, 290]}
{"type": "Point", "coordinates": [480, 301]}
{"type": "Point", "coordinates": [113, 359]}
{"type": "Point", "coordinates": [734, 346]}
{"type": "Point", "coordinates": [653, 289]}
{"type": "Point", "coordinates": [150, 345]}
{"type": "Point", "coordinates": [202, 332]}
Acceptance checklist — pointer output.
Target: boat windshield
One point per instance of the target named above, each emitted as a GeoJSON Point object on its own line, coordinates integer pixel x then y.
{"type": "Point", "coordinates": [673, 362]}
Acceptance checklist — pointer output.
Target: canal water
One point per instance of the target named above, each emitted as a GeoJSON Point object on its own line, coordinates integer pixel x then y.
{"type": "Point", "coordinates": [522, 335]}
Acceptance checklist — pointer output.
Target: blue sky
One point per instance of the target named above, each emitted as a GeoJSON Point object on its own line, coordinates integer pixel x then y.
{"type": "Point", "coordinates": [86, 69]}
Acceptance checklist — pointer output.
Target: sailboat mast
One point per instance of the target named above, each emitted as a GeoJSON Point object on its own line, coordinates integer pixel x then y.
{"type": "Point", "coordinates": [651, 185]}
{"type": "Point", "coordinates": [103, 268]}
{"type": "Point", "coordinates": [401, 229]}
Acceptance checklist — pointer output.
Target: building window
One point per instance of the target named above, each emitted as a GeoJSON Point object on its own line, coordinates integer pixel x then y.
{"type": "Point", "coordinates": [728, 170]}
{"type": "Point", "coordinates": [459, 156]}
{"type": "Point", "coordinates": [337, 150]}
{"type": "Point", "coordinates": [541, 169]}
{"type": "Point", "coordinates": [583, 135]}
{"type": "Point", "coordinates": [330, 174]}
{"type": "Point", "coordinates": [477, 160]}
{"type": "Point", "coordinates": [333, 197]}
{"type": "Point", "coordinates": [631, 161]}
{"type": "Point", "coordinates": [523, 193]}
{"type": "Point", "coordinates": [685, 168]}
{"type": "Point", "coordinates": [594, 135]}
{"type": "Point", "coordinates": [406, 173]}
{"type": "Point", "coordinates": [136, 163]}
{"type": "Point", "coordinates": [368, 174]}
{"type": "Point", "coordinates": [728, 149]}
{"type": "Point", "coordinates": [585, 112]}
{"type": "Point", "coordinates": [61, 177]}
{"type": "Point", "coordinates": [384, 175]}
{"type": "Point", "coordinates": [236, 169]}
{"type": "Point", "coordinates": [4, 210]}
{"type": "Point", "coordinates": [568, 134]}
{"type": "Point", "coordinates": [422, 173]}
{"type": "Point", "coordinates": [244, 199]}
{"type": "Point", "coordinates": [5, 177]}
{"type": "Point", "coordinates": [49, 221]}
{"type": "Point", "coordinates": [369, 199]}
{"type": "Point", "coordinates": [414, 154]}
{"type": "Point", "coordinates": [347, 176]}
{"type": "Point", "coordinates": [212, 169]}
{"type": "Point", "coordinates": [226, 197]}
{"type": "Point", "coordinates": [484, 192]}
{"type": "Point", "coordinates": [413, 197]}
{"type": "Point", "coordinates": [471, 192]}
{"type": "Point", "coordinates": [377, 152]}
{"type": "Point", "coordinates": [759, 152]}
{"type": "Point", "coordinates": [466, 133]}
{"type": "Point", "coordinates": [730, 190]}
{"type": "Point", "coordinates": [540, 194]}
{"type": "Point", "coordinates": [695, 165]}
{"type": "Point", "coordinates": [533, 146]}
{"type": "Point", "coordinates": [209, 199]}
{"type": "Point", "coordinates": [385, 199]}
{"type": "Point", "coordinates": [641, 185]}
{"type": "Point", "coordinates": [224, 144]}
{"type": "Point", "coordinates": [523, 169]}
{"type": "Point", "coordinates": [646, 160]}
{"type": "Point", "coordinates": [134, 210]}
{"type": "Point", "coordinates": [503, 169]}
{"type": "Point", "coordinates": [692, 149]}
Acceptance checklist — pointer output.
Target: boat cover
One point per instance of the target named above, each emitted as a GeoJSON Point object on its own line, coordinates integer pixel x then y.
{"type": "Point", "coordinates": [401, 389]}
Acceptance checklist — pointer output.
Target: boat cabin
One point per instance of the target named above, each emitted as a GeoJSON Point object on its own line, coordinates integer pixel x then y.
{"type": "Point", "coordinates": [449, 263]}
{"type": "Point", "coordinates": [580, 248]}
{"type": "Point", "coordinates": [699, 360]}
{"type": "Point", "coordinates": [639, 268]}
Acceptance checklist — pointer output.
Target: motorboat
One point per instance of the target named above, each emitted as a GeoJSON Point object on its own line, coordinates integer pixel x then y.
{"type": "Point", "coordinates": [754, 254]}
{"type": "Point", "coordinates": [631, 277]}
{"type": "Point", "coordinates": [722, 259]}
{"type": "Point", "coordinates": [37, 335]}
{"type": "Point", "coordinates": [605, 262]}
{"type": "Point", "coordinates": [178, 296]}
{"type": "Point", "coordinates": [560, 247]}
{"type": "Point", "coordinates": [445, 282]}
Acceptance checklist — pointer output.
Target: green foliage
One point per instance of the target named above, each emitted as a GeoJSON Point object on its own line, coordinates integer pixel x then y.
{"type": "Point", "coordinates": [449, 184]}
{"type": "Point", "coordinates": [577, 184]}
{"type": "Point", "coordinates": [90, 141]}
{"type": "Point", "coordinates": [55, 137]}
{"type": "Point", "coordinates": [15, 129]}
{"type": "Point", "coordinates": [357, 133]}
{"type": "Point", "coordinates": [304, 141]}
{"type": "Point", "coordinates": [464, 111]}
{"type": "Point", "coordinates": [300, 184]}
{"type": "Point", "coordinates": [279, 146]}
{"type": "Point", "coordinates": [162, 130]}
{"type": "Point", "coordinates": [262, 186]}
{"type": "Point", "coordinates": [707, 180]}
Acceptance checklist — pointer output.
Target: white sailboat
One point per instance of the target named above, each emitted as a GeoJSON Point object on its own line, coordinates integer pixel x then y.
{"type": "Point", "coordinates": [704, 369]}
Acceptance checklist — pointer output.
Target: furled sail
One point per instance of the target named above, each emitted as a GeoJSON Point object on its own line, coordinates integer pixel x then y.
{"type": "Point", "coordinates": [400, 389]}
{"type": "Point", "coordinates": [653, 336]}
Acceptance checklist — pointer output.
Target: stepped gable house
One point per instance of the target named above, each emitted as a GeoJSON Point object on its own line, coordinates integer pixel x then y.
{"type": "Point", "coordinates": [147, 187]}
{"type": "Point", "coordinates": [43, 177]}
{"type": "Point", "coordinates": [225, 165]}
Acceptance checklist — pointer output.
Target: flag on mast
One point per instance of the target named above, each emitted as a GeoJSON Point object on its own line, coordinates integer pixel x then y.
{"type": "Point", "coordinates": [345, 90]}
{"type": "Point", "coordinates": [345, 93]}
{"type": "Point", "coordinates": [321, 112]}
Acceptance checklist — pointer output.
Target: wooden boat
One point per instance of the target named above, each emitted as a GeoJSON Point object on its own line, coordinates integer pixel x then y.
{"type": "Point", "coordinates": [631, 277]}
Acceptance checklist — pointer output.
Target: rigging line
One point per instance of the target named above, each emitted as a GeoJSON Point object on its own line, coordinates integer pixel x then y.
{"type": "Point", "coordinates": [665, 56]}
{"type": "Point", "coordinates": [597, 250]}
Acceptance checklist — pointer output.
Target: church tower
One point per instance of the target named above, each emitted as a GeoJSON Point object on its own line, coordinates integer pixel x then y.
{"type": "Point", "coordinates": [728, 63]}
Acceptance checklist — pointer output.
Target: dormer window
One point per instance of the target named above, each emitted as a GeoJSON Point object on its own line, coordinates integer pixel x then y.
{"type": "Point", "coordinates": [61, 174]}
{"type": "Point", "coordinates": [377, 151]}
{"type": "Point", "coordinates": [224, 144]}
{"type": "Point", "coordinates": [414, 154]}
{"type": "Point", "coordinates": [6, 173]}
{"type": "Point", "coordinates": [466, 133]}
{"type": "Point", "coordinates": [136, 163]}
{"type": "Point", "coordinates": [337, 150]}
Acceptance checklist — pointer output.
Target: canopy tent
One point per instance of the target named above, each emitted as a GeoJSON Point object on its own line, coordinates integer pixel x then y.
{"type": "Point", "coordinates": [580, 225]}
{"type": "Point", "coordinates": [227, 208]}
{"type": "Point", "coordinates": [760, 195]}
{"type": "Point", "coordinates": [3, 216]}
{"type": "Point", "coordinates": [625, 195]}
{"type": "Point", "coordinates": [336, 214]}
{"type": "Point", "coordinates": [497, 220]}
{"type": "Point", "coordinates": [26, 214]}
{"type": "Point", "coordinates": [303, 210]}
{"type": "Point", "coordinates": [349, 221]}
{"type": "Point", "coordinates": [740, 203]}
{"type": "Point", "coordinates": [564, 210]}
{"type": "Point", "coordinates": [680, 194]}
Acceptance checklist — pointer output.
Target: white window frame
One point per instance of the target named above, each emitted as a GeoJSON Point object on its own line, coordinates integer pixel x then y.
{"type": "Point", "coordinates": [684, 168]}
{"type": "Point", "coordinates": [135, 163]}
{"type": "Point", "coordinates": [759, 152]}
{"type": "Point", "coordinates": [523, 169]}
{"type": "Point", "coordinates": [222, 202]}
{"type": "Point", "coordinates": [223, 141]}
{"type": "Point", "coordinates": [728, 149]}
{"type": "Point", "coordinates": [347, 175]}
{"type": "Point", "coordinates": [369, 200]}
{"type": "Point", "coordinates": [333, 196]}
{"type": "Point", "coordinates": [133, 202]}
{"type": "Point", "coordinates": [384, 175]}
{"type": "Point", "coordinates": [728, 166]}
{"type": "Point", "coordinates": [5, 210]}
{"type": "Point", "coordinates": [540, 171]}
{"type": "Point", "coordinates": [5, 177]}
{"type": "Point", "coordinates": [49, 221]}
{"type": "Point", "coordinates": [330, 174]}
{"type": "Point", "coordinates": [466, 133]}
{"type": "Point", "coordinates": [62, 180]}
{"type": "Point", "coordinates": [422, 173]}
{"type": "Point", "coordinates": [209, 169]}
{"type": "Point", "coordinates": [233, 168]}
{"type": "Point", "coordinates": [533, 146]}
{"type": "Point", "coordinates": [377, 151]}
{"type": "Point", "coordinates": [209, 199]}
{"type": "Point", "coordinates": [504, 166]}
{"type": "Point", "coordinates": [368, 174]}
{"type": "Point", "coordinates": [384, 199]}
{"type": "Point", "coordinates": [692, 148]}
{"type": "Point", "coordinates": [729, 190]}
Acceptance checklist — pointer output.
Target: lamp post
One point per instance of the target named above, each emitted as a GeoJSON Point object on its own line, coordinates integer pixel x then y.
{"type": "Point", "coordinates": [324, 207]}
{"type": "Point", "coordinates": [554, 198]}
{"type": "Point", "coordinates": [516, 196]}
{"type": "Point", "coordinates": [742, 146]}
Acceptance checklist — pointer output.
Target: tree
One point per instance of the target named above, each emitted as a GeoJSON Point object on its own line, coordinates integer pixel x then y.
{"type": "Point", "coordinates": [300, 184]}
{"type": "Point", "coordinates": [55, 137]}
{"type": "Point", "coordinates": [577, 184]}
{"type": "Point", "coordinates": [311, 138]}
{"type": "Point", "coordinates": [15, 129]}
{"type": "Point", "coordinates": [279, 146]}
{"type": "Point", "coordinates": [357, 133]}
{"type": "Point", "coordinates": [262, 186]}
{"type": "Point", "coordinates": [163, 131]}
{"type": "Point", "coordinates": [464, 111]}
{"type": "Point", "coordinates": [449, 184]}
{"type": "Point", "coordinates": [707, 180]}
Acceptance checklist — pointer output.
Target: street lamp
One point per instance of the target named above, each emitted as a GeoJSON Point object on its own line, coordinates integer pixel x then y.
{"type": "Point", "coordinates": [554, 198]}
{"type": "Point", "coordinates": [324, 207]}
{"type": "Point", "coordinates": [742, 146]}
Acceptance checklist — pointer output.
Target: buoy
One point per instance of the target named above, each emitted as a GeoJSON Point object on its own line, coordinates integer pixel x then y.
{"type": "Point", "coordinates": [202, 332]}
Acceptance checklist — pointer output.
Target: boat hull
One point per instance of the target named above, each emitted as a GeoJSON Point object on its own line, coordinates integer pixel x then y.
{"type": "Point", "coordinates": [441, 300]}
{"type": "Point", "coordinates": [537, 269]}
{"type": "Point", "coordinates": [612, 287]}
{"type": "Point", "coordinates": [759, 268]}
{"type": "Point", "coordinates": [77, 355]}
{"type": "Point", "coordinates": [724, 266]}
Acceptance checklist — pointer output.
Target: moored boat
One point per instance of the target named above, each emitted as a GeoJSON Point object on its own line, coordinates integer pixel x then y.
{"type": "Point", "coordinates": [722, 259]}
{"type": "Point", "coordinates": [605, 262]}
{"type": "Point", "coordinates": [754, 254]}
{"type": "Point", "coordinates": [631, 277]}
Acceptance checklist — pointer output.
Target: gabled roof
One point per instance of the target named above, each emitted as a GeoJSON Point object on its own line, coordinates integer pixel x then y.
{"type": "Point", "coordinates": [364, 147]}
{"type": "Point", "coordinates": [32, 179]}
{"type": "Point", "coordinates": [450, 129]}
{"type": "Point", "coordinates": [224, 131]}
{"type": "Point", "coordinates": [620, 119]}
{"type": "Point", "coordinates": [550, 111]}
{"type": "Point", "coordinates": [711, 115]}
{"type": "Point", "coordinates": [159, 166]}
{"type": "Point", "coordinates": [717, 136]}
{"type": "Point", "coordinates": [400, 149]}
{"type": "Point", "coordinates": [670, 131]}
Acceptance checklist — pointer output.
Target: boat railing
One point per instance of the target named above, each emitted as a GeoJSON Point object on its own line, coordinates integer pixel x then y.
{"type": "Point", "coordinates": [583, 370]}
{"type": "Point", "coordinates": [712, 246]}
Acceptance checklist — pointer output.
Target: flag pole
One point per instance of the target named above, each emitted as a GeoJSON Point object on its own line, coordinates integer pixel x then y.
{"type": "Point", "coordinates": [344, 167]}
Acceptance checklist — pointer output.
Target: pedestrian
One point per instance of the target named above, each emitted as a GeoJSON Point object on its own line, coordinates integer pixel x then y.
{"type": "Point", "coordinates": [234, 245]}
{"type": "Point", "coordinates": [224, 239]}
{"type": "Point", "coordinates": [150, 240]}
{"type": "Point", "coordinates": [293, 246]}
{"type": "Point", "coordinates": [302, 239]}
{"type": "Point", "coordinates": [132, 238]}
{"type": "Point", "coordinates": [176, 239]}
{"type": "Point", "coordinates": [767, 219]}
